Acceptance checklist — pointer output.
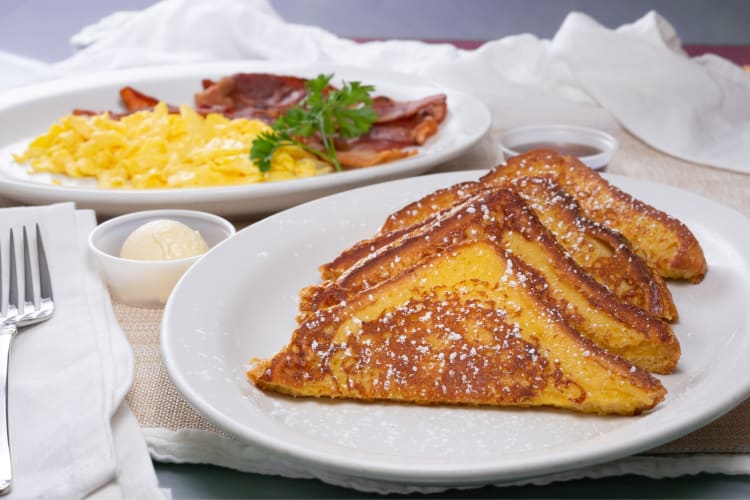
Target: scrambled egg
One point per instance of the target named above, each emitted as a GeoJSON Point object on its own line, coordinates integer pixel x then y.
{"type": "Point", "coordinates": [156, 149]}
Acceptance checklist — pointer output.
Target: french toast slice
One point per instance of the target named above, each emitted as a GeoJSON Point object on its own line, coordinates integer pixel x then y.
{"type": "Point", "coordinates": [501, 215]}
{"type": "Point", "coordinates": [361, 250]}
{"type": "Point", "coordinates": [454, 330]}
{"type": "Point", "coordinates": [665, 242]}
{"type": "Point", "coordinates": [433, 203]}
{"type": "Point", "coordinates": [602, 252]}
{"type": "Point", "coordinates": [414, 214]}
{"type": "Point", "coordinates": [606, 254]}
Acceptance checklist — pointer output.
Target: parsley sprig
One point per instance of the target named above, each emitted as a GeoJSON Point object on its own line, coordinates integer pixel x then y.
{"type": "Point", "coordinates": [346, 112]}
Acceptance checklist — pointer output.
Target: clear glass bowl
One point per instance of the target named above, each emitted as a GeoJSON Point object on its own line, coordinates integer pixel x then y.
{"type": "Point", "coordinates": [592, 146]}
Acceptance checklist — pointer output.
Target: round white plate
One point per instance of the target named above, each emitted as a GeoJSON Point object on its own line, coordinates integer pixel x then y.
{"type": "Point", "coordinates": [240, 300]}
{"type": "Point", "coordinates": [29, 111]}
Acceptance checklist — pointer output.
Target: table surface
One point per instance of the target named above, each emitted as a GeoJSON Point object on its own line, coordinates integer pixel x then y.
{"type": "Point", "coordinates": [205, 481]}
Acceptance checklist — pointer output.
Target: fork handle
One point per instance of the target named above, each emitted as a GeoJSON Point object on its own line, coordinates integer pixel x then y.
{"type": "Point", "coordinates": [7, 332]}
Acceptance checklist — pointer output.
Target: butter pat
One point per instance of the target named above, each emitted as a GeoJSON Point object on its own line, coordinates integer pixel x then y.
{"type": "Point", "coordinates": [163, 239]}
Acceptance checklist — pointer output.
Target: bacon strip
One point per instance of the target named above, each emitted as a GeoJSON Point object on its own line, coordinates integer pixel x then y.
{"type": "Point", "coordinates": [363, 157]}
{"type": "Point", "coordinates": [271, 94]}
{"type": "Point", "coordinates": [408, 131]}
{"type": "Point", "coordinates": [135, 100]}
{"type": "Point", "coordinates": [389, 110]}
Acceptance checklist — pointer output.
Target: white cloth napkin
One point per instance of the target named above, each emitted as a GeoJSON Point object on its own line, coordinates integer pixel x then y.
{"type": "Point", "coordinates": [635, 77]}
{"type": "Point", "coordinates": [71, 433]}
{"type": "Point", "coordinates": [695, 109]}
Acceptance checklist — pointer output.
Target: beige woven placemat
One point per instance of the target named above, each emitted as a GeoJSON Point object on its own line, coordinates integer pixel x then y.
{"type": "Point", "coordinates": [157, 404]}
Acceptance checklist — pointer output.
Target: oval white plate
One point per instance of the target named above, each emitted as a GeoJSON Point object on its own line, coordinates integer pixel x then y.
{"type": "Point", "coordinates": [29, 111]}
{"type": "Point", "coordinates": [208, 337]}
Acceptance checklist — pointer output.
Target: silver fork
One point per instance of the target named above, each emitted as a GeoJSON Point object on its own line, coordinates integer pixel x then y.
{"type": "Point", "coordinates": [14, 314]}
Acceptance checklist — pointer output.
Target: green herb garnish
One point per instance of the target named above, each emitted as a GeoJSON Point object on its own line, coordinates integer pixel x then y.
{"type": "Point", "coordinates": [346, 112]}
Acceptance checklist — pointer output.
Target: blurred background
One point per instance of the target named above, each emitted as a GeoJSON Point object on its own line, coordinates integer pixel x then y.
{"type": "Point", "coordinates": [41, 29]}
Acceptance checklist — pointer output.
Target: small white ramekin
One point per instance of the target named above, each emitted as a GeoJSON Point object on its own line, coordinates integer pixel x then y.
{"type": "Point", "coordinates": [148, 283]}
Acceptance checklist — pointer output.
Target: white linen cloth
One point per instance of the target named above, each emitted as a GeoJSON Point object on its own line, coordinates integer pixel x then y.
{"type": "Point", "coordinates": [635, 77]}
{"type": "Point", "coordinates": [71, 434]}
{"type": "Point", "coordinates": [194, 446]}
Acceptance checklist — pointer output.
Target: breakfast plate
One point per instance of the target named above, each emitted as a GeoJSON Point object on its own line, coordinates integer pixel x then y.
{"type": "Point", "coordinates": [207, 339]}
{"type": "Point", "coordinates": [29, 111]}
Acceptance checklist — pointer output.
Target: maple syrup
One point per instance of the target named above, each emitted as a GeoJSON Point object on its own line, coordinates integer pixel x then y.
{"type": "Point", "coordinates": [565, 148]}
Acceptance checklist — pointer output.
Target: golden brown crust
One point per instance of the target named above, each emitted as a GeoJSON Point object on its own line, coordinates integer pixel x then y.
{"type": "Point", "coordinates": [665, 242]}
{"type": "Point", "coordinates": [453, 330]}
{"type": "Point", "coordinates": [396, 225]}
{"type": "Point", "coordinates": [428, 206]}
{"type": "Point", "coordinates": [604, 253]}
{"type": "Point", "coordinates": [358, 251]}
{"type": "Point", "coordinates": [501, 215]}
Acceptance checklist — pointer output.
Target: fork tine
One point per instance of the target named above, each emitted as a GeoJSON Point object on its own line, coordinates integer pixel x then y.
{"type": "Point", "coordinates": [28, 279]}
{"type": "Point", "coordinates": [13, 281]}
{"type": "Point", "coordinates": [45, 282]}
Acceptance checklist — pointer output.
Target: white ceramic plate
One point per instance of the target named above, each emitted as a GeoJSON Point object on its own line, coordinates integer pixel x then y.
{"type": "Point", "coordinates": [208, 337]}
{"type": "Point", "coordinates": [28, 112]}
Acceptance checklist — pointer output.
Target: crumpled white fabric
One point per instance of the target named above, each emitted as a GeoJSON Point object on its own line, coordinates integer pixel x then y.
{"type": "Point", "coordinates": [71, 434]}
{"type": "Point", "coordinates": [635, 76]}
{"type": "Point", "coordinates": [695, 109]}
